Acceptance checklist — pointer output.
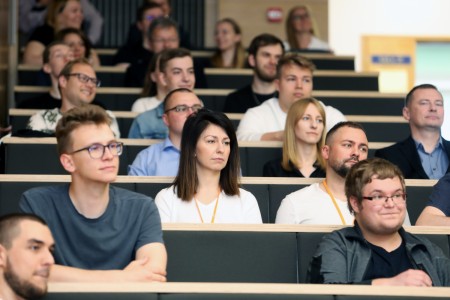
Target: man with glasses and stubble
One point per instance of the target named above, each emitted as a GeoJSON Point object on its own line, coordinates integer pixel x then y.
{"type": "Point", "coordinates": [104, 233]}
{"type": "Point", "coordinates": [377, 250]}
{"type": "Point", "coordinates": [77, 84]}
{"type": "Point", "coordinates": [163, 159]}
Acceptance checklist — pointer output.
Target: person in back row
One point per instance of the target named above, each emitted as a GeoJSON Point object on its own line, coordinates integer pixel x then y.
{"type": "Point", "coordinates": [26, 246]}
{"type": "Point", "coordinates": [425, 153]}
{"type": "Point", "coordinates": [104, 233]}
{"type": "Point", "coordinates": [263, 54]}
{"type": "Point", "coordinates": [377, 250]}
{"type": "Point", "coordinates": [78, 85]}
{"type": "Point", "coordinates": [163, 159]}
{"type": "Point", "coordinates": [176, 70]}
{"type": "Point", "coordinates": [206, 188]}
{"type": "Point", "coordinates": [294, 81]}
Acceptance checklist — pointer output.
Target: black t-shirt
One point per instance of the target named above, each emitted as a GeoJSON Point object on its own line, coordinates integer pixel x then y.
{"type": "Point", "coordinates": [243, 99]}
{"type": "Point", "coordinates": [273, 168]}
{"type": "Point", "coordinates": [44, 101]}
{"type": "Point", "coordinates": [385, 264]}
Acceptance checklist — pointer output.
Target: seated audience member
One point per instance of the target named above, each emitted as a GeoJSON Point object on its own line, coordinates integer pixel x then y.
{"type": "Point", "coordinates": [176, 70]}
{"type": "Point", "coordinates": [154, 89]}
{"type": "Point", "coordinates": [206, 188]}
{"type": "Point", "coordinates": [263, 54]}
{"type": "Point", "coordinates": [77, 85]}
{"type": "Point", "coordinates": [230, 53]}
{"type": "Point", "coordinates": [163, 159]}
{"type": "Point", "coordinates": [325, 202]}
{"type": "Point", "coordinates": [61, 14]}
{"type": "Point", "coordinates": [104, 233]}
{"type": "Point", "coordinates": [300, 31]}
{"type": "Point", "coordinates": [32, 13]}
{"type": "Point", "coordinates": [80, 45]}
{"type": "Point", "coordinates": [304, 137]}
{"type": "Point", "coordinates": [26, 246]}
{"type": "Point", "coordinates": [377, 250]}
{"type": "Point", "coordinates": [425, 153]}
{"type": "Point", "coordinates": [437, 211]}
{"type": "Point", "coordinates": [56, 55]}
{"type": "Point", "coordinates": [162, 34]}
{"type": "Point", "coordinates": [139, 47]}
{"type": "Point", "coordinates": [294, 81]}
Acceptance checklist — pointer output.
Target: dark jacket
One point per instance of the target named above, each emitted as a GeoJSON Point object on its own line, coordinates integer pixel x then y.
{"type": "Point", "coordinates": [404, 154]}
{"type": "Point", "coordinates": [343, 257]}
{"type": "Point", "coordinates": [241, 100]}
{"type": "Point", "coordinates": [273, 168]}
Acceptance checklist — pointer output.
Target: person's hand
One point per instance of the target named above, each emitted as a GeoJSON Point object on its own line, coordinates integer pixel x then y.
{"type": "Point", "coordinates": [407, 278]}
{"type": "Point", "coordinates": [138, 271]}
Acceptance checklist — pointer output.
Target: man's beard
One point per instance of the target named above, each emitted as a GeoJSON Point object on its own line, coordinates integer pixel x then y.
{"type": "Point", "coordinates": [22, 288]}
{"type": "Point", "coordinates": [342, 169]}
{"type": "Point", "coordinates": [264, 77]}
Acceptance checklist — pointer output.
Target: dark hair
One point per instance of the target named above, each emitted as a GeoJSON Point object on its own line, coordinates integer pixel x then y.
{"type": "Point", "coordinates": [339, 125]}
{"type": "Point", "coordinates": [295, 60]}
{"type": "Point", "coordinates": [169, 54]}
{"type": "Point", "coordinates": [262, 40]}
{"type": "Point", "coordinates": [361, 174]}
{"type": "Point", "coordinates": [87, 43]}
{"type": "Point", "coordinates": [74, 118]}
{"type": "Point", "coordinates": [170, 94]}
{"type": "Point", "coordinates": [150, 89]}
{"type": "Point", "coordinates": [161, 22]}
{"type": "Point", "coordinates": [186, 181]}
{"type": "Point", "coordinates": [69, 66]}
{"type": "Point", "coordinates": [140, 13]}
{"type": "Point", "coordinates": [9, 226]}
{"type": "Point", "coordinates": [48, 49]}
{"type": "Point", "coordinates": [239, 51]}
{"type": "Point", "coordinates": [418, 87]}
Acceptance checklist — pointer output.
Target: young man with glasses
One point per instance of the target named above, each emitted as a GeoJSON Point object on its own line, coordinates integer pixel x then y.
{"type": "Point", "coordinates": [78, 85]}
{"type": "Point", "coordinates": [104, 233]}
{"type": "Point", "coordinates": [377, 250]}
{"type": "Point", "coordinates": [176, 70]}
{"type": "Point", "coordinates": [163, 159]}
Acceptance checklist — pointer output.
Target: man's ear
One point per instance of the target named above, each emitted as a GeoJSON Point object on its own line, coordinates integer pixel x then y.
{"type": "Point", "coordinates": [251, 60]}
{"type": "Point", "coordinates": [406, 113]}
{"type": "Point", "coordinates": [46, 68]}
{"type": "Point", "coordinates": [165, 119]}
{"type": "Point", "coordinates": [67, 162]}
{"type": "Point", "coordinates": [354, 204]}
{"type": "Point", "coordinates": [62, 81]}
{"type": "Point", "coordinates": [326, 152]}
{"type": "Point", "coordinates": [3, 257]}
{"type": "Point", "coordinates": [277, 84]}
{"type": "Point", "coordinates": [162, 78]}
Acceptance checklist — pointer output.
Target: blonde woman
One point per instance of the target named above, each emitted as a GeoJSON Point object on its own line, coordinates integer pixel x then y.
{"type": "Point", "coordinates": [304, 136]}
{"type": "Point", "coordinates": [230, 53]}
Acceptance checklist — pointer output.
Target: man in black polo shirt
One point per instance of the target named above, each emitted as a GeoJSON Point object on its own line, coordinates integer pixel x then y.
{"type": "Point", "coordinates": [377, 250]}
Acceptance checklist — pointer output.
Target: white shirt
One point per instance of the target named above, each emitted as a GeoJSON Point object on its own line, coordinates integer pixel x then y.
{"type": "Point", "coordinates": [314, 44]}
{"type": "Point", "coordinates": [230, 209]}
{"type": "Point", "coordinates": [269, 117]}
{"type": "Point", "coordinates": [144, 104]}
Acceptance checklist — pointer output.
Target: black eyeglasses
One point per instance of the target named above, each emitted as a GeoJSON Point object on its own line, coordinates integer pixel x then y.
{"type": "Point", "coordinates": [399, 198]}
{"type": "Point", "coordinates": [184, 108]}
{"type": "Point", "coordinates": [97, 151]}
{"type": "Point", "coordinates": [85, 79]}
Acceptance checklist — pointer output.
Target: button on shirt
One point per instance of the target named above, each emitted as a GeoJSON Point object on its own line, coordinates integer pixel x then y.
{"type": "Point", "coordinates": [160, 159]}
{"type": "Point", "coordinates": [435, 163]}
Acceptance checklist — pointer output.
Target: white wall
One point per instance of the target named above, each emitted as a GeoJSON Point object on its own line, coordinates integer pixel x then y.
{"type": "Point", "coordinates": [349, 20]}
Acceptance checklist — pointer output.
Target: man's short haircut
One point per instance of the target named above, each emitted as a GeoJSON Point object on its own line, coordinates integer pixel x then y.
{"type": "Point", "coordinates": [363, 172]}
{"type": "Point", "coordinates": [48, 49]}
{"type": "Point", "coordinates": [338, 126]}
{"type": "Point", "coordinates": [161, 22]}
{"type": "Point", "coordinates": [86, 114]}
{"type": "Point", "coordinates": [262, 40]}
{"type": "Point", "coordinates": [9, 226]}
{"type": "Point", "coordinates": [171, 93]}
{"type": "Point", "coordinates": [169, 54]}
{"type": "Point", "coordinates": [69, 66]}
{"type": "Point", "coordinates": [140, 13]}
{"type": "Point", "coordinates": [418, 87]}
{"type": "Point", "coordinates": [294, 59]}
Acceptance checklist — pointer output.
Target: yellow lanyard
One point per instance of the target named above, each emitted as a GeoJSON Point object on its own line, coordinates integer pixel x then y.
{"type": "Point", "coordinates": [334, 201]}
{"type": "Point", "coordinates": [215, 209]}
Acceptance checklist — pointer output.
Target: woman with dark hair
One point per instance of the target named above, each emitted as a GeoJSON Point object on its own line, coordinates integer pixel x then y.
{"type": "Point", "coordinates": [230, 53]}
{"type": "Point", "coordinates": [79, 43]}
{"type": "Point", "coordinates": [300, 31]}
{"type": "Point", "coordinates": [206, 188]}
